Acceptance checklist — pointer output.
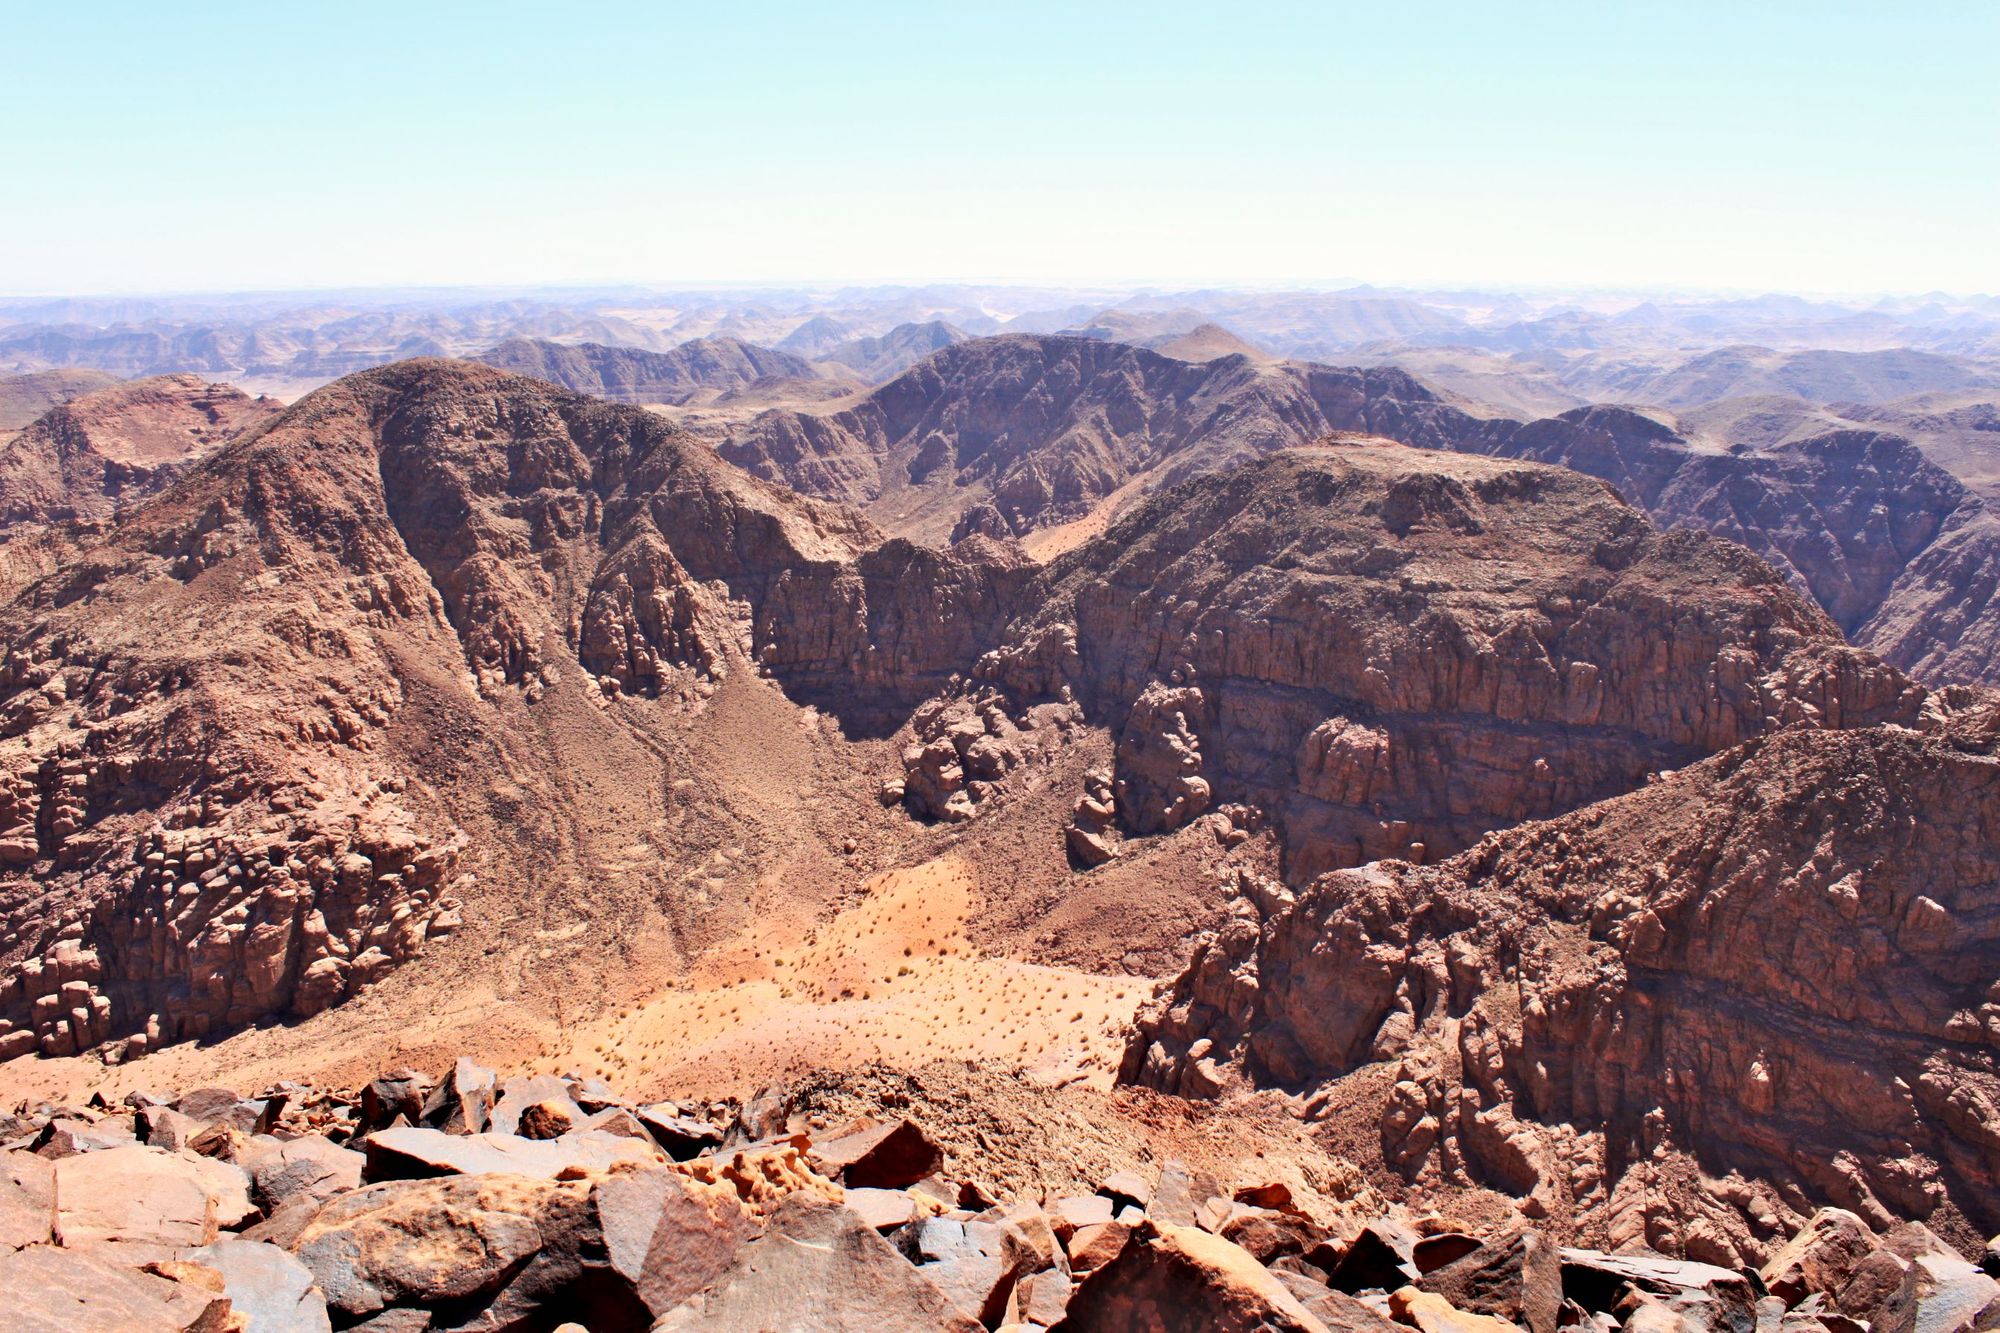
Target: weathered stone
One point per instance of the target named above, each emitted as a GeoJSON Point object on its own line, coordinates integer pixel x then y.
{"type": "Point", "coordinates": [681, 1136]}
{"type": "Point", "coordinates": [1381, 1257]}
{"type": "Point", "coordinates": [1516, 1276]}
{"type": "Point", "coordinates": [24, 1220]}
{"type": "Point", "coordinates": [1096, 1245]}
{"type": "Point", "coordinates": [1599, 1281]}
{"type": "Point", "coordinates": [164, 1127]}
{"type": "Point", "coordinates": [885, 1210]}
{"type": "Point", "coordinates": [409, 1153]}
{"type": "Point", "coordinates": [135, 1194]}
{"type": "Point", "coordinates": [547, 1119]}
{"type": "Point", "coordinates": [518, 1094]}
{"type": "Point", "coordinates": [1430, 1313]}
{"type": "Point", "coordinates": [1123, 1187]}
{"type": "Point", "coordinates": [1179, 1278]}
{"type": "Point", "coordinates": [1821, 1257]}
{"type": "Point", "coordinates": [266, 1287]}
{"type": "Point", "coordinates": [309, 1167]}
{"type": "Point", "coordinates": [891, 1156]}
{"type": "Point", "coordinates": [462, 1102]}
{"type": "Point", "coordinates": [1040, 1299]}
{"type": "Point", "coordinates": [51, 1289]}
{"type": "Point", "coordinates": [429, 1243]}
{"type": "Point", "coordinates": [819, 1266]}
{"type": "Point", "coordinates": [392, 1097]}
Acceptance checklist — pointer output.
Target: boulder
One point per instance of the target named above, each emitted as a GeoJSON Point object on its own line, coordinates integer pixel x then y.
{"type": "Point", "coordinates": [1126, 1187]}
{"type": "Point", "coordinates": [550, 1118]}
{"type": "Point", "coordinates": [666, 1237]}
{"type": "Point", "coordinates": [49, 1289]}
{"type": "Point", "coordinates": [310, 1167]}
{"type": "Point", "coordinates": [1096, 1245]}
{"type": "Point", "coordinates": [1602, 1282]}
{"type": "Point", "coordinates": [892, 1156]}
{"type": "Point", "coordinates": [681, 1136]}
{"type": "Point", "coordinates": [976, 1263]}
{"type": "Point", "coordinates": [1820, 1258]}
{"type": "Point", "coordinates": [462, 1102]}
{"type": "Point", "coordinates": [1431, 1313]}
{"type": "Point", "coordinates": [1381, 1257]}
{"type": "Point", "coordinates": [429, 1243]}
{"type": "Point", "coordinates": [885, 1210]}
{"type": "Point", "coordinates": [1181, 1279]}
{"type": "Point", "coordinates": [268, 1288]}
{"type": "Point", "coordinates": [394, 1097]}
{"type": "Point", "coordinates": [411, 1153]}
{"type": "Point", "coordinates": [1079, 1210]}
{"type": "Point", "coordinates": [164, 1127]}
{"type": "Point", "coordinates": [1516, 1276]}
{"type": "Point", "coordinates": [518, 1094]}
{"type": "Point", "coordinates": [134, 1194]}
{"type": "Point", "coordinates": [819, 1266]}
{"type": "Point", "coordinates": [1040, 1298]}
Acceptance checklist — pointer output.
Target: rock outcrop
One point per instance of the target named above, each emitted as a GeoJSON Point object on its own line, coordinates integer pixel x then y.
{"type": "Point", "coordinates": [1778, 968]}
{"type": "Point", "coordinates": [222, 720]}
{"type": "Point", "coordinates": [1002, 436]}
{"type": "Point", "coordinates": [102, 1232]}
{"type": "Point", "coordinates": [85, 457]}
{"type": "Point", "coordinates": [1390, 652]}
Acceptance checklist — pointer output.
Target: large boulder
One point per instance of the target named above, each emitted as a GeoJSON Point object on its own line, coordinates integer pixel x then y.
{"type": "Point", "coordinates": [268, 1289]}
{"type": "Point", "coordinates": [819, 1266]}
{"type": "Point", "coordinates": [52, 1289]}
{"type": "Point", "coordinates": [143, 1195]}
{"type": "Point", "coordinates": [1181, 1280]}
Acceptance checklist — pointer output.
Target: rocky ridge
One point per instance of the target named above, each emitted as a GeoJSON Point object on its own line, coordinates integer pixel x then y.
{"type": "Point", "coordinates": [1010, 435]}
{"type": "Point", "coordinates": [1764, 982]}
{"type": "Point", "coordinates": [634, 375]}
{"type": "Point", "coordinates": [85, 457]}
{"type": "Point", "coordinates": [472, 1201]}
{"type": "Point", "coordinates": [219, 725]}
{"type": "Point", "coordinates": [1387, 652]}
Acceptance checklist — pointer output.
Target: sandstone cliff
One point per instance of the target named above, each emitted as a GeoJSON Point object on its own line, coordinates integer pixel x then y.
{"type": "Point", "coordinates": [88, 455]}
{"type": "Point", "coordinates": [1760, 983]}
{"type": "Point", "coordinates": [1390, 652]}
{"type": "Point", "coordinates": [251, 734]}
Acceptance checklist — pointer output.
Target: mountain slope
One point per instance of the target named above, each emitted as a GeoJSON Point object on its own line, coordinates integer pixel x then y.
{"type": "Point", "coordinates": [1763, 980]}
{"type": "Point", "coordinates": [1005, 436]}
{"type": "Point", "coordinates": [434, 619]}
{"type": "Point", "coordinates": [85, 457]}
{"type": "Point", "coordinates": [629, 375]}
{"type": "Point", "coordinates": [884, 358]}
{"type": "Point", "coordinates": [1389, 652]}
{"type": "Point", "coordinates": [25, 397]}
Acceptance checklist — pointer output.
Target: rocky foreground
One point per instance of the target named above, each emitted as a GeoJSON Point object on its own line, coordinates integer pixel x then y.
{"type": "Point", "coordinates": [544, 1202]}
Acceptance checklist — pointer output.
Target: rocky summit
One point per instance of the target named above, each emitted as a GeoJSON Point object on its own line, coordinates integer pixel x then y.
{"type": "Point", "coordinates": [1359, 883]}
{"type": "Point", "coordinates": [465, 1200]}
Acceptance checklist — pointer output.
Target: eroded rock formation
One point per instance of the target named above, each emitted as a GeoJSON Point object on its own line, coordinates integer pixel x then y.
{"type": "Point", "coordinates": [1782, 964]}
{"type": "Point", "coordinates": [1391, 651]}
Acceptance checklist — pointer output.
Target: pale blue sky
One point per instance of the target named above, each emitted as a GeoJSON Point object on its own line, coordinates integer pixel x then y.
{"type": "Point", "coordinates": [1825, 147]}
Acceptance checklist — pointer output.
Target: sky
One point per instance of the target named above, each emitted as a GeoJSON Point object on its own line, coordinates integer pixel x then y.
{"type": "Point", "coordinates": [1827, 147]}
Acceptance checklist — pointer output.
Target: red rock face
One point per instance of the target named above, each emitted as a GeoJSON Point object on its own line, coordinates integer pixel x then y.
{"type": "Point", "coordinates": [89, 455]}
{"type": "Point", "coordinates": [1779, 961]}
{"type": "Point", "coordinates": [1393, 651]}
{"type": "Point", "coordinates": [225, 724]}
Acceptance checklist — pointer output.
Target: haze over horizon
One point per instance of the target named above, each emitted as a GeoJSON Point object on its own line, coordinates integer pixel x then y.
{"type": "Point", "coordinates": [1552, 146]}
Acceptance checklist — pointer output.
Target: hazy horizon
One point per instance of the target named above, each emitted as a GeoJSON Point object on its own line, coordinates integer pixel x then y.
{"type": "Point", "coordinates": [1794, 148]}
